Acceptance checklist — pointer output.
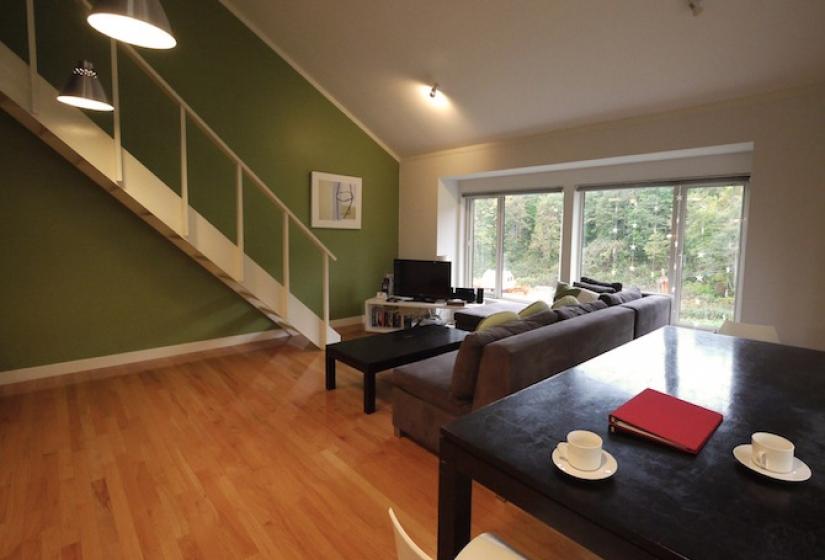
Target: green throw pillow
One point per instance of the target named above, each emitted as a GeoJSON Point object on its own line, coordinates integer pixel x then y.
{"type": "Point", "coordinates": [564, 301]}
{"type": "Point", "coordinates": [533, 308]}
{"type": "Point", "coordinates": [496, 319]}
{"type": "Point", "coordinates": [582, 294]}
{"type": "Point", "coordinates": [564, 289]}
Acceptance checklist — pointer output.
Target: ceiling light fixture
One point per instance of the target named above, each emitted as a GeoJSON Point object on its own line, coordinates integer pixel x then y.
{"type": "Point", "coordinates": [434, 95]}
{"type": "Point", "coordinates": [84, 90]}
{"type": "Point", "coordinates": [137, 22]}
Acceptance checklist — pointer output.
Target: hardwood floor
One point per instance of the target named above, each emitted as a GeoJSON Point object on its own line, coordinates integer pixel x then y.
{"type": "Point", "coordinates": [240, 455]}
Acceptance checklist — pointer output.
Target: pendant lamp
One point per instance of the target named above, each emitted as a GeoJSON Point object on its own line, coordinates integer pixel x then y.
{"type": "Point", "coordinates": [84, 90]}
{"type": "Point", "coordinates": [138, 22]}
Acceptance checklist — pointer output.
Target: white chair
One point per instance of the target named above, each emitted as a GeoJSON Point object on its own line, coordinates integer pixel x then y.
{"type": "Point", "coordinates": [486, 546]}
{"type": "Point", "coordinates": [765, 333]}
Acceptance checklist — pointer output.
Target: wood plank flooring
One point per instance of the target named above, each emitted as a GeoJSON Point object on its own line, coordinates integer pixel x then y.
{"type": "Point", "coordinates": [239, 455]}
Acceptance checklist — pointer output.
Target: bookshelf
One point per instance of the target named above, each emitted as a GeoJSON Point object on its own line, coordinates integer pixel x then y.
{"type": "Point", "coordinates": [381, 316]}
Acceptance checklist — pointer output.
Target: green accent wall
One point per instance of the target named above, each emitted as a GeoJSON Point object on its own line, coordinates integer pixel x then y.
{"type": "Point", "coordinates": [83, 276]}
{"type": "Point", "coordinates": [263, 109]}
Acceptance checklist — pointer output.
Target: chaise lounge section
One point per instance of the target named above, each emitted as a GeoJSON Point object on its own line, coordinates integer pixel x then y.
{"type": "Point", "coordinates": [508, 358]}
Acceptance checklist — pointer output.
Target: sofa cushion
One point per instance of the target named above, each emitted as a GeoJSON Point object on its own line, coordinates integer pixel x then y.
{"type": "Point", "coordinates": [513, 363]}
{"type": "Point", "coordinates": [596, 288]}
{"type": "Point", "coordinates": [429, 380]}
{"type": "Point", "coordinates": [544, 318]}
{"type": "Point", "coordinates": [652, 312]}
{"type": "Point", "coordinates": [465, 372]}
{"type": "Point", "coordinates": [570, 311]}
{"type": "Point", "coordinates": [565, 301]}
{"type": "Point", "coordinates": [617, 286]}
{"type": "Point", "coordinates": [626, 295]}
{"type": "Point", "coordinates": [533, 308]}
{"type": "Point", "coordinates": [468, 318]}
{"type": "Point", "coordinates": [582, 294]}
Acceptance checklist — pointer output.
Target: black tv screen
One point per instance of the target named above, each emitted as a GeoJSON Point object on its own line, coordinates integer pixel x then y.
{"type": "Point", "coordinates": [428, 280]}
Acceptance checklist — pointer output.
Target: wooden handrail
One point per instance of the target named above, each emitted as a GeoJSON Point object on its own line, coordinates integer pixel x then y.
{"type": "Point", "coordinates": [32, 45]}
{"type": "Point", "coordinates": [218, 141]}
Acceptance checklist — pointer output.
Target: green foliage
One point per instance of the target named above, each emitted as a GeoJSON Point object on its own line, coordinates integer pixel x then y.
{"type": "Point", "coordinates": [711, 250]}
{"type": "Point", "coordinates": [532, 237]}
{"type": "Point", "coordinates": [532, 240]}
{"type": "Point", "coordinates": [485, 219]}
{"type": "Point", "coordinates": [627, 237]}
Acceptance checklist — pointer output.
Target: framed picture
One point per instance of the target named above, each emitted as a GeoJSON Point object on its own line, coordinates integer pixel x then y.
{"type": "Point", "coordinates": [336, 201]}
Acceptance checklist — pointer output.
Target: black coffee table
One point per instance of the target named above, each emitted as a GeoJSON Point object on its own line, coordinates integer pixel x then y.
{"type": "Point", "coordinates": [661, 503]}
{"type": "Point", "coordinates": [380, 352]}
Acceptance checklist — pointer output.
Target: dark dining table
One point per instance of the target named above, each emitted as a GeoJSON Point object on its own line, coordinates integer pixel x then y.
{"type": "Point", "coordinates": [661, 502]}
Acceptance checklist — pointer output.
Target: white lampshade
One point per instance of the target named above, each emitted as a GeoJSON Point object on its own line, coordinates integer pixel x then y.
{"type": "Point", "coordinates": [84, 90]}
{"type": "Point", "coordinates": [138, 22]}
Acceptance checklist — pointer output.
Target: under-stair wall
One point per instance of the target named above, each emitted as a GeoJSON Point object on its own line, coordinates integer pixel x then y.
{"type": "Point", "coordinates": [110, 285]}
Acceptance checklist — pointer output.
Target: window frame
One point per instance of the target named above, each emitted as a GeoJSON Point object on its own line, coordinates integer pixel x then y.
{"type": "Point", "coordinates": [676, 255]}
{"type": "Point", "coordinates": [468, 200]}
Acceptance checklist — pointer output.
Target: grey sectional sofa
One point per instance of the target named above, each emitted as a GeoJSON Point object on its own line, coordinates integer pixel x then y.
{"type": "Point", "coordinates": [493, 364]}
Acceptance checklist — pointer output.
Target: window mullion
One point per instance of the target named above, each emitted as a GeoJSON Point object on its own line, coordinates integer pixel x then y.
{"type": "Point", "coordinates": [499, 247]}
{"type": "Point", "coordinates": [469, 235]}
{"type": "Point", "coordinates": [677, 248]}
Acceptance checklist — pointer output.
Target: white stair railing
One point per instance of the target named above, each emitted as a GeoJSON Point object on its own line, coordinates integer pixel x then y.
{"type": "Point", "coordinates": [242, 169]}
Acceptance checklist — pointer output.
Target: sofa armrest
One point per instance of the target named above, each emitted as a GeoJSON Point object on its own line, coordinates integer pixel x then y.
{"type": "Point", "coordinates": [519, 361]}
{"type": "Point", "coordinates": [652, 312]}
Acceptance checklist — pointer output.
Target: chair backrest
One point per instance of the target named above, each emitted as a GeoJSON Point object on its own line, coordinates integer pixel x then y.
{"type": "Point", "coordinates": [765, 333]}
{"type": "Point", "coordinates": [487, 546]}
{"type": "Point", "coordinates": [405, 548]}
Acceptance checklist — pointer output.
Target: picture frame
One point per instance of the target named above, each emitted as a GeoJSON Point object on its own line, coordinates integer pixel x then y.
{"type": "Point", "coordinates": [336, 201]}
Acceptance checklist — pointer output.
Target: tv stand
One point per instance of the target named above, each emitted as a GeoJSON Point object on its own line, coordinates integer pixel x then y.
{"type": "Point", "coordinates": [381, 315]}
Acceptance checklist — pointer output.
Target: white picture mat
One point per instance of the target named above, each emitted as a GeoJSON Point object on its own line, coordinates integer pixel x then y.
{"type": "Point", "coordinates": [326, 204]}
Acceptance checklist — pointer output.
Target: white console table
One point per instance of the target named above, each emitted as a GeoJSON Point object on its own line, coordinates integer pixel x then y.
{"type": "Point", "coordinates": [402, 309]}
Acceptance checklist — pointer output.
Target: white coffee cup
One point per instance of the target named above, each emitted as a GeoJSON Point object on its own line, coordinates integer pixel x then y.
{"type": "Point", "coordinates": [772, 452]}
{"type": "Point", "coordinates": [583, 450]}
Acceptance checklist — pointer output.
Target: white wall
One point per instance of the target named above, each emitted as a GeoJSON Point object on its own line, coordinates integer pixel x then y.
{"type": "Point", "coordinates": [785, 251]}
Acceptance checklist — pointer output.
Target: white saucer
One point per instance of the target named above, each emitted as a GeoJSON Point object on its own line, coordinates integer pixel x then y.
{"type": "Point", "coordinates": [800, 472]}
{"type": "Point", "coordinates": [607, 469]}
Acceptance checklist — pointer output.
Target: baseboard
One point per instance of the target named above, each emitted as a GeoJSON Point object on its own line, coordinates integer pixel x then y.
{"type": "Point", "coordinates": [12, 376]}
{"type": "Point", "coordinates": [347, 321]}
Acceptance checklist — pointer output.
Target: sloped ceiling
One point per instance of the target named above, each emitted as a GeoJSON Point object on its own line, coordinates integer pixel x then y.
{"type": "Point", "coordinates": [514, 67]}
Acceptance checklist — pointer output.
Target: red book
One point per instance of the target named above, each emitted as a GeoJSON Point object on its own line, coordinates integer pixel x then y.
{"type": "Point", "coordinates": [666, 419]}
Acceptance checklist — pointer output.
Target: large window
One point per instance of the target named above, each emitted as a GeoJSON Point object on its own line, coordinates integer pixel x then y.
{"type": "Point", "coordinates": [683, 239]}
{"type": "Point", "coordinates": [711, 225]}
{"type": "Point", "coordinates": [627, 236]}
{"type": "Point", "coordinates": [514, 244]}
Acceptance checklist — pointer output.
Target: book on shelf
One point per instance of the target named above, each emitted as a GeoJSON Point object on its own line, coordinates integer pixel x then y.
{"type": "Point", "coordinates": [389, 317]}
{"type": "Point", "coordinates": [666, 420]}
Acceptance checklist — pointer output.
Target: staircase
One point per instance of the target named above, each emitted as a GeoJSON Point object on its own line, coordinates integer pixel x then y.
{"type": "Point", "coordinates": [31, 100]}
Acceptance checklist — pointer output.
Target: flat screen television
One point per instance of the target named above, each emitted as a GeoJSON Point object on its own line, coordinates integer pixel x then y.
{"type": "Point", "coordinates": [422, 280]}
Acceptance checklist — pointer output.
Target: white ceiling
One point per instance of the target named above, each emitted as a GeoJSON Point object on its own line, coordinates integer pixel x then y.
{"type": "Point", "coordinates": [513, 67]}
